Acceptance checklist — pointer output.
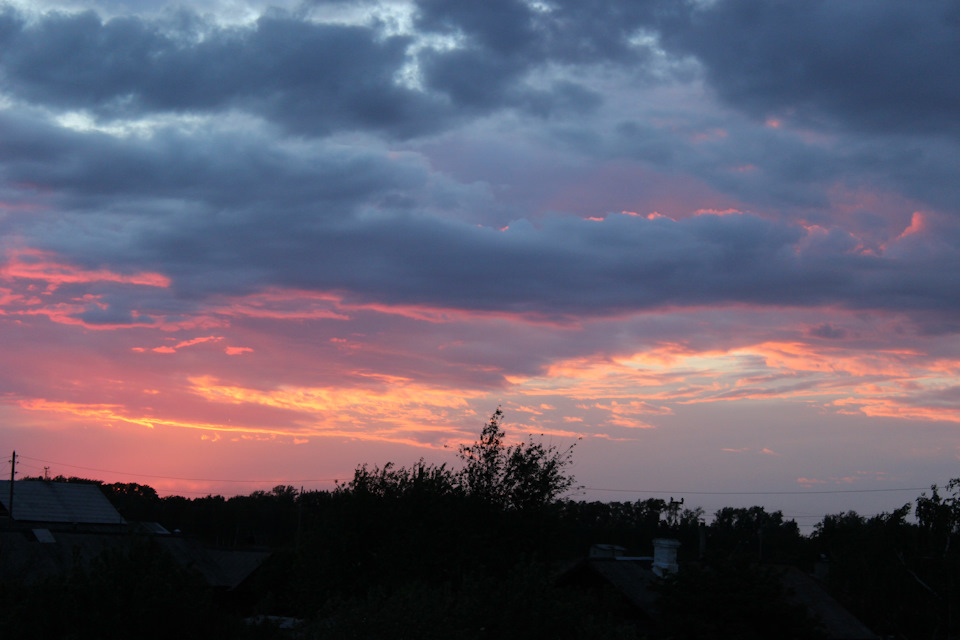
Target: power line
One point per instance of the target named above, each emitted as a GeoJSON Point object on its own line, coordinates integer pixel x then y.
{"type": "Point", "coordinates": [688, 493]}
{"type": "Point", "coordinates": [147, 475]}
{"type": "Point", "coordinates": [759, 493]}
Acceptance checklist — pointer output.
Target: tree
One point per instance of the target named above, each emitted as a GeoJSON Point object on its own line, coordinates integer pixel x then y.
{"type": "Point", "coordinates": [873, 573]}
{"type": "Point", "coordinates": [756, 533]}
{"type": "Point", "coordinates": [522, 476]}
{"type": "Point", "coordinates": [939, 517]}
{"type": "Point", "coordinates": [392, 482]}
{"type": "Point", "coordinates": [133, 501]}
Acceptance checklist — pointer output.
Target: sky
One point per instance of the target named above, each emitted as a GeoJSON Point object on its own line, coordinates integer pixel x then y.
{"type": "Point", "coordinates": [715, 245]}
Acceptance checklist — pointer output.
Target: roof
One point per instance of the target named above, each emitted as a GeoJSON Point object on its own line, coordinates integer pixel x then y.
{"type": "Point", "coordinates": [634, 580]}
{"type": "Point", "coordinates": [837, 622]}
{"type": "Point", "coordinates": [631, 577]}
{"type": "Point", "coordinates": [39, 501]}
{"type": "Point", "coordinates": [219, 567]}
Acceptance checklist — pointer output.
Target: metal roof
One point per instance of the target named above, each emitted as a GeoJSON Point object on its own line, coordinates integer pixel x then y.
{"type": "Point", "coordinates": [40, 501]}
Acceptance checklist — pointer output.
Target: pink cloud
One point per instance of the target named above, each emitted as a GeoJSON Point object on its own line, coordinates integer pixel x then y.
{"type": "Point", "coordinates": [32, 264]}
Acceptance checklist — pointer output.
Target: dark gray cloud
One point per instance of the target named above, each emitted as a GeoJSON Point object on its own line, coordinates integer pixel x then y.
{"type": "Point", "coordinates": [310, 78]}
{"type": "Point", "coordinates": [315, 78]}
{"type": "Point", "coordinates": [113, 310]}
{"type": "Point", "coordinates": [566, 267]}
{"type": "Point", "coordinates": [567, 32]}
{"type": "Point", "coordinates": [505, 27]}
{"type": "Point", "coordinates": [569, 266]}
{"type": "Point", "coordinates": [500, 42]}
{"type": "Point", "coordinates": [878, 65]}
{"type": "Point", "coordinates": [871, 65]}
{"type": "Point", "coordinates": [211, 170]}
{"type": "Point", "coordinates": [828, 331]}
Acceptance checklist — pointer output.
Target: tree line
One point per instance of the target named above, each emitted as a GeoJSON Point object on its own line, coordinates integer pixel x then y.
{"type": "Point", "coordinates": [431, 551]}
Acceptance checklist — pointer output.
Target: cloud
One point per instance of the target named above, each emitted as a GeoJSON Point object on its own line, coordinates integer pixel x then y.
{"type": "Point", "coordinates": [880, 66]}
{"type": "Point", "coordinates": [828, 331]}
{"type": "Point", "coordinates": [622, 264]}
{"type": "Point", "coordinates": [236, 351]}
{"type": "Point", "coordinates": [302, 75]}
{"type": "Point", "coordinates": [309, 77]}
{"type": "Point", "coordinates": [401, 214]}
{"type": "Point", "coordinates": [211, 213]}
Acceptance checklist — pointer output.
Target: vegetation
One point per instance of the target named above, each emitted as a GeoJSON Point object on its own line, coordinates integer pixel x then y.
{"type": "Point", "coordinates": [524, 476]}
{"type": "Point", "coordinates": [475, 551]}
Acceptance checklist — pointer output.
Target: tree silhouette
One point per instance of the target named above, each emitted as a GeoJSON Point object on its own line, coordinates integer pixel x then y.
{"type": "Point", "coordinates": [523, 476]}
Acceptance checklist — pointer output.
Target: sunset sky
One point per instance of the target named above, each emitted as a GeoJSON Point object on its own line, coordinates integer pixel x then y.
{"type": "Point", "coordinates": [716, 244]}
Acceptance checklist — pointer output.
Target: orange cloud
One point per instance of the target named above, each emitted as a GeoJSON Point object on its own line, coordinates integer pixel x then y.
{"type": "Point", "coordinates": [396, 410]}
{"type": "Point", "coordinates": [887, 407]}
{"type": "Point", "coordinates": [114, 414]}
{"type": "Point", "coordinates": [185, 343]}
{"type": "Point", "coordinates": [236, 351]}
{"type": "Point", "coordinates": [628, 423]}
{"type": "Point", "coordinates": [798, 356]}
{"type": "Point", "coordinates": [373, 402]}
{"type": "Point", "coordinates": [836, 376]}
{"type": "Point", "coordinates": [634, 407]}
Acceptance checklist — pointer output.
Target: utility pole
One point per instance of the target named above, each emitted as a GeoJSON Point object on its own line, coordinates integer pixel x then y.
{"type": "Point", "coordinates": [13, 474]}
{"type": "Point", "coordinates": [673, 509]}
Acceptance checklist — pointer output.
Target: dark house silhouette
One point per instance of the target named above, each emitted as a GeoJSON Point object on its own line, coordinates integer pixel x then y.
{"type": "Point", "coordinates": [54, 525]}
{"type": "Point", "coordinates": [632, 580]}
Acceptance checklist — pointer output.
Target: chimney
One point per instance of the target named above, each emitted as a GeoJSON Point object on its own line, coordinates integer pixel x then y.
{"type": "Point", "coordinates": [665, 556]}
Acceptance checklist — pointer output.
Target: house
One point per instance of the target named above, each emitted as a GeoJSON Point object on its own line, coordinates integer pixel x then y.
{"type": "Point", "coordinates": [633, 580]}
{"type": "Point", "coordinates": [49, 526]}
{"type": "Point", "coordinates": [59, 504]}
{"type": "Point", "coordinates": [52, 526]}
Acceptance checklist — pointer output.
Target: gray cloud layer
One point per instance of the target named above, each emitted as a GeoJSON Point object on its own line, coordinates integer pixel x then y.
{"type": "Point", "coordinates": [312, 164]}
{"type": "Point", "coordinates": [875, 65]}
